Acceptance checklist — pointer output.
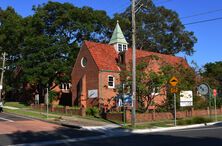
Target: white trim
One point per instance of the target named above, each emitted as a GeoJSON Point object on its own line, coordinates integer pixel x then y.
{"type": "Point", "coordinates": [111, 87]}
{"type": "Point", "coordinates": [122, 47]}
{"type": "Point", "coordinates": [82, 62]}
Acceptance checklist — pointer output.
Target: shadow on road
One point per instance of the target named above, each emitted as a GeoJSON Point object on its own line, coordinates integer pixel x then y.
{"type": "Point", "coordinates": [152, 139]}
{"type": "Point", "coordinates": [31, 137]}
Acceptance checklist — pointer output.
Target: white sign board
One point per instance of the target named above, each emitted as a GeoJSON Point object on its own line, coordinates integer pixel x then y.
{"type": "Point", "coordinates": [186, 98]}
{"type": "Point", "coordinates": [93, 93]}
{"type": "Point", "coordinates": [1, 87]}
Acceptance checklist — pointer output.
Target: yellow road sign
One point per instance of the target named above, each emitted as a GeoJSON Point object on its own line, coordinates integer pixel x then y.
{"type": "Point", "coordinates": [173, 81]}
{"type": "Point", "coordinates": [174, 90]}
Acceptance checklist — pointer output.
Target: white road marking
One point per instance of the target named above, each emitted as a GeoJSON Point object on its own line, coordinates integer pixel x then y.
{"type": "Point", "coordinates": [6, 119]}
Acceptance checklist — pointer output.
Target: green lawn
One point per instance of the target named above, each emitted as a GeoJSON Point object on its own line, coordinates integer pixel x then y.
{"type": "Point", "coordinates": [27, 111]}
{"type": "Point", "coordinates": [30, 113]}
{"type": "Point", "coordinates": [15, 104]}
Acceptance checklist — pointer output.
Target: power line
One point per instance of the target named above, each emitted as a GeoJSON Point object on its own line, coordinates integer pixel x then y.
{"type": "Point", "coordinates": [163, 2]}
{"type": "Point", "coordinates": [121, 8]}
{"type": "Point", "coordinates": [202, 13]}
{"type": "Point", "coordinates": [203, 21]}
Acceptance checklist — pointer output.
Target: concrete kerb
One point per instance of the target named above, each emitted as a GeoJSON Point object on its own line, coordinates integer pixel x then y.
{"type": "Point", "coordinates": [10, 107]}
{"type": "Point", "coordinates": [152, 130]}
{"type": "Point", "coordinates": [110, 130]}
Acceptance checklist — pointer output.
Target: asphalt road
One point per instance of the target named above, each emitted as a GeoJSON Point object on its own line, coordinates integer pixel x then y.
{"type": "Point", "coordinates": [42, 133]}
{"type": "Point", "coordinates": [205, 136]}
{"type": "Point", "coordinates": [15, 130]}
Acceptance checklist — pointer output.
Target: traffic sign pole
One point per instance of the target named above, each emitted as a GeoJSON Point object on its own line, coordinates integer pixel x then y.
{"type": "Point", "coordinates": [174, 90]}
{"type": "Point", "coordinates": [215, 108]}
{"type": "Point", "coordinates": [215, 103]}
{"type": "Point", "coordinates": [175, 110]}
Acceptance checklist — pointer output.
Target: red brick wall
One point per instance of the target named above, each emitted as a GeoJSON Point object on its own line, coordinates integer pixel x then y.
{"type": "Point", "coordinates": [91, 78]}
{"type": "Point", "coordinates": [147, 117]}
{"type": "Point", "coordinates": [107, 94]}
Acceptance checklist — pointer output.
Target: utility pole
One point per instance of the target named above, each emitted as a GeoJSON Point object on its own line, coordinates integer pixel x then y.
{"type": "Point", "coordinates": [2, 74]}
{"type": "Point", "coordinates": [133, 119]}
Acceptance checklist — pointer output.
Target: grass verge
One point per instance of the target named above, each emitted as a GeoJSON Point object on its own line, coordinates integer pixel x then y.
{"type": "Point", "coordinates": [15, 104]}
{"type": "Point", "coordinates": [31, 114]}
{"type": "Point", "coordinates": [194, 120]}
{"type": "Point", "coordinates": [154, 124]}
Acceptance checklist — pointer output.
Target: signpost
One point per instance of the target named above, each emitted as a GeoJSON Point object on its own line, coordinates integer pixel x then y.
{"type": "Point", "coordinates": [186, 98]}
{"type": "Point", "coordinates": [215, 103]}
{"type": "Point", "coordinates": [173, 82]}
{"type": "Point", "coordinates": [204, 89]}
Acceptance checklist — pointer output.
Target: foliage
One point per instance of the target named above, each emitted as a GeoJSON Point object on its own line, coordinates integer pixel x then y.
{"type": "Point", "coordinates": [42, 47]}
{"type": "Point", "coordinates": [15, 104]}
{"type": "Point", "coordinates": [195, 120]}
{"type": "Point", "coordinates": [154, 82]}
{"type": "Point", "coordinates": [150, 83]}
{"type": "Point", "coordinates": [187, 81]}
{"type": "Point", "coordinates": [93, 111]}
{"type": "Point", "coordinates": [52, 96]}
{"type": "Point", "coordinates": [212, 75]}
{"type": "Point", "coordinates": [159, 30]}
{"type": "Point", "coordinates": [11, 40]}
{"type": "Point", "coordinates": [45, 45]}
{"type": "Point", "coordinates": [200, 102]}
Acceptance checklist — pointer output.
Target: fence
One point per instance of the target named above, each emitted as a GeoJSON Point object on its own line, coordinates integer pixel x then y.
{"type": "Point", "coordinates": [154, 116]}
{"type": "Point", "coordinates": [61, 110]}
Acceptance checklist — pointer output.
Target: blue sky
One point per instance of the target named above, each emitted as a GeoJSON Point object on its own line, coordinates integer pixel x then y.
{"type": "Point", "coordinates": [209, 45]}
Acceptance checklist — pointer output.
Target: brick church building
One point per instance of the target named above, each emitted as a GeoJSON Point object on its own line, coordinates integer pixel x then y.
{"type": "Point", "coordinates": [96, 72]}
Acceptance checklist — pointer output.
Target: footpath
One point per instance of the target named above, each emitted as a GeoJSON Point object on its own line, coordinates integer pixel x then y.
{"type": "Point", "coordinates": [103, 126]}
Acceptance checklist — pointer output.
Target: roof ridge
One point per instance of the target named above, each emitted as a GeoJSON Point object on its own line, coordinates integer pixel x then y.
{"type": "Point", "coordinates": [157, 53]}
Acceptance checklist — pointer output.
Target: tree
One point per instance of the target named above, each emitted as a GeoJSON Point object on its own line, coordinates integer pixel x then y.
{"type": "Point", "coordinates": [11, 41]}
{"type": "Point", "coordinates": [158, 30]}
{"type": "Point", "coordinates": [149, 82]}
{"type": "Point", "coordinates": [152, 77]}
{"type": "Point", "coordinates": [53, 36]}
{"type": "Point", "coordinates": [212, 74]}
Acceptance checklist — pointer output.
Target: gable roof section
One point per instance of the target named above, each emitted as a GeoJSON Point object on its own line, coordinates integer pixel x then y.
{"type": "Point", "coordinates": [104, 56]}
{"type": "Point", "coordinates": [173, 60]}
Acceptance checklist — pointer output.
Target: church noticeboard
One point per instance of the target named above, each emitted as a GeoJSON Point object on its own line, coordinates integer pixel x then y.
{"type": "Point", "coordinates": [93, 93]}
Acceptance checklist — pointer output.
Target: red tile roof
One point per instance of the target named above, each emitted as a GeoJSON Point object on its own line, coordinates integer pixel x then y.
{"type": "Point", "coordinates": [173, 60]}
{"type": "Point", "coordinates": [106, 57]}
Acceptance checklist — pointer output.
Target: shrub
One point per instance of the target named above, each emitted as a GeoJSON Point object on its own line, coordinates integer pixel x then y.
{"type": "Point", "coordinates": [93, 111]}
{"type": "Point", "coordinates": [200, 102]}
{"type": "Point", "coordinates": [52, 96]}
{"type": "Point", "coordinates": [195, 120]}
